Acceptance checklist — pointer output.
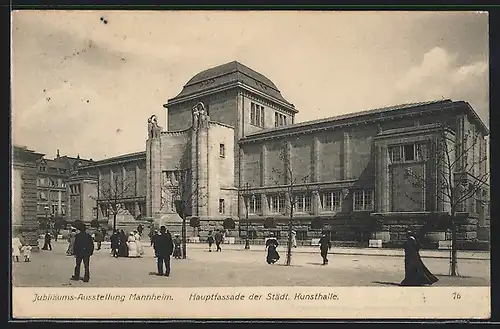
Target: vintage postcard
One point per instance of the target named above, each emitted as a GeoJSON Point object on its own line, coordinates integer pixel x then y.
{"type": "Point", "coordinates": [250, 164]}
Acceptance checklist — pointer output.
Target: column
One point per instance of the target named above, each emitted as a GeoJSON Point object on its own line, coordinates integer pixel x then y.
{"type": "Point", "coordinates": [265, 205]}
{"type": "Point", "coordinates": [263, 165]}
{"type": "Point", "coordinates": [125, 182]}
{"type": "Point", "coordinates": [346, 148]}
{"type": "Point", "coordinates": [316, 203]}
{"type": "Point", "coordinates": [315, 159]}
{"type": "Point", "coordinates": [136, 185]}
{"type": "Point", "coordinates": [203, 188]}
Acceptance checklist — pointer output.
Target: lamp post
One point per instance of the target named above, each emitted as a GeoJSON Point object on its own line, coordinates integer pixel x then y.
{"type": "Point", "coordinates": [246, 199]}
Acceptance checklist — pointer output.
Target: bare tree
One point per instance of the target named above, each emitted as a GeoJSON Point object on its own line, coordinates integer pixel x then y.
{"type": "Point", "coordinates": [178, 194]}
{"type": "Point", "coordinates": [111, 193]}
{"type": "Point", "coordinates": [290, 180]}
{"type": "Point", "coordinates": [460, 176]}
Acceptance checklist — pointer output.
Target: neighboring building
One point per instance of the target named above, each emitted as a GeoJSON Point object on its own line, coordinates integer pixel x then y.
{"type": "Point", "coordinates": [24, 194]}
{"type": "Point", "coordinates": [121, 182]}
{"type": "Point", "coordinates": [52, 177]}
{"type": "Point", "coordinates": [231, 135]}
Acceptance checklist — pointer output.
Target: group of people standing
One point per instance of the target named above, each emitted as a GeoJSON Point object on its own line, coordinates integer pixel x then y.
{"type": "Point", "coordinates": [126, 246]}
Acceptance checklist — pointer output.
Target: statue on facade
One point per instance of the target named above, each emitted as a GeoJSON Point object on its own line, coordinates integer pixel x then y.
{"type": "Point", "coordinates": [195, 117]}
{"type": "Point", "coordinates": [200, 117]}
{"type": "Point", "coordinates": [154, 130]}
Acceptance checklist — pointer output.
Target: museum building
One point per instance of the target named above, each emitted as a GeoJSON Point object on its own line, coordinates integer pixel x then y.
{"type": "Point", "coordinates": [232, 149]}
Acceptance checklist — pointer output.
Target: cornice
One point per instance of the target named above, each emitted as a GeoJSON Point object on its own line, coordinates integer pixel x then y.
{"type": "Point", "coordinates": [225, 87]}
{"type": "Point", "coordinates": [305, 128]}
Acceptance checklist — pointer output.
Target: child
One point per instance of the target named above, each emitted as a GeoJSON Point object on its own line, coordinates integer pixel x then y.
{"type": "Point", "coordinates": [177, 247]}
{"type": "Point", "coordinates": [26, 249]}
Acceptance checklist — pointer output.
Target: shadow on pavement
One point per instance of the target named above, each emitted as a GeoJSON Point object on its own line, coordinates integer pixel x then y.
{"type": "Point", "coordinates": [386, 283]}
{"type": "Point", "coordinates": [320, 264]}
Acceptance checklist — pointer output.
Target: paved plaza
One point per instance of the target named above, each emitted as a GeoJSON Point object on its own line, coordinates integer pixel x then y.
{"type": "Point", "coordinates": [235, 266]}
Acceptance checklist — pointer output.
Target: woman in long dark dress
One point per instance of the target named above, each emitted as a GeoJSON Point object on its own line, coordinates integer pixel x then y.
{"type": "Point", "coordinates": [122, 247]}
{"type": "Point", "coordinates": [416, 273]}
{"type": "Point", "coordinates": [272, 253]}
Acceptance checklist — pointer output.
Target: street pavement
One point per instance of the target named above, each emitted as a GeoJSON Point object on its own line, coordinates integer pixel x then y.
{"type": "Point", "coordinates": [235, 266]}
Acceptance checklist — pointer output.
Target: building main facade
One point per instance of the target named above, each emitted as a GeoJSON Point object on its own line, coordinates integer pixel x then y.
{"type": "Point", "coordinates": [232, 149]}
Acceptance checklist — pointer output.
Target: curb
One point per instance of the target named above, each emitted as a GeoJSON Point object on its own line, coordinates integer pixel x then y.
{"type": "Point", "coordinates": [352, 253]}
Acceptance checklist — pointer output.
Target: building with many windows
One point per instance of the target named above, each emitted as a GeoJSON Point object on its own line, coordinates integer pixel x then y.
{"type": "Point", "coordinates": [52, 177]}
{"type": "Point", "coordinates": [232, 146]}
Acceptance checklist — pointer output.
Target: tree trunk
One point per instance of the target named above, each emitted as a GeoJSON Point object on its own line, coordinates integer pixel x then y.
{"type": "Point", "coordinates": [453, 247]}
{"type": "Point", "coordinates": [114, 222]}
{"type": "Point", "coordinates": [289, 247]}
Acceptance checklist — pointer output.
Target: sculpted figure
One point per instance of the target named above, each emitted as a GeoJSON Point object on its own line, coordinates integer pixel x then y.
{"type": "Point", "coordinates": [195, 117]}
{"type": "Point", "coordinates": [150, 128]}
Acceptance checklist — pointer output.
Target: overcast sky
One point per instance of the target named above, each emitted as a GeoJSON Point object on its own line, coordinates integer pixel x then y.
{"type": "Point", "coordinates": [87, 85]}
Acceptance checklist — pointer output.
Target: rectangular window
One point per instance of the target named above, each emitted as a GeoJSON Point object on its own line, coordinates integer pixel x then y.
{"type": "Point", "coordinates": [284, 120]}
{"type": "Point", "coordinates": [276, 204]}
{"type": "Point", "coordinates": [222, 151]}
{"type": "Point", "coordinates": [303, 203]}
{"type": "Point", "coordinates": [408, 152]}
{"type": "Point", "coordinates": [256, 115]}
{"type": "Point", "coordinates": [222, 206]}
{"type": "Point", "coordinates": [332, 201]}
{"type": "Point", "coordinates": [255, 206]}
{"type": "Point", "coordinates": [363, 200]}
{"type": "Point", "coordinates": [276, 119]}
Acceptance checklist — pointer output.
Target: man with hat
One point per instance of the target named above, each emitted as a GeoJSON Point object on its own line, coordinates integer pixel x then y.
{"type": "Point", "coordinates": [164, 247]}
{"type": "Point", "coordinates": [83, 249]}
{"type": "Point", "coordinates": [324, 246]}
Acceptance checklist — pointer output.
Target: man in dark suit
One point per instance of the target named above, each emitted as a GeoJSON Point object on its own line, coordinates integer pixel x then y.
{"type": "Point", "coordinates": [324, 246]}
{"type": "Point", "coordinates": [164, 247]}
{"type": "Point", "coordinates": [83, 249]}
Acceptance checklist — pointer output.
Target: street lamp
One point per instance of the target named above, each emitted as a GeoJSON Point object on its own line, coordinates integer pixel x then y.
{"type": "Point", "coordinates": [246, 198]}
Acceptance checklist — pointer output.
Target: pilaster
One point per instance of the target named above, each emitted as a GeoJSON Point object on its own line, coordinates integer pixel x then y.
{"type": "Point", "coordinates": [316, 203]}
{"type": "Point", "coordinates": [346, 148]}
{"type": "Point", "coordinates": [265, 205]}
{"type": "Point", "coordinates": [315, 159]}
{"type": "Point", "coordinates": [263, 164]}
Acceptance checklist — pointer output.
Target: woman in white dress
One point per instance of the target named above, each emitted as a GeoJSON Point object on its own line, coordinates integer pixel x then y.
{"type": "Point", "coordinates": [132, 246]}
{"type": "Point", "coordinates": [16, 249]}
{"type": "Point", "coordinates": [140, 247]}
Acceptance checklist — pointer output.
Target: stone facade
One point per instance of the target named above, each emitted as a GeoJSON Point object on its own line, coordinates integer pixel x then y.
{"type": "Point", "coordinates": [340, 166]}
{"type": "Point", "coordinates": [115, 183]}
{"type": "Point", "coordinates": [52, 177]}
{"type": "Point", "coordinates": [24, 194]}
{"type": "Point", "coordinates": [231, 136]}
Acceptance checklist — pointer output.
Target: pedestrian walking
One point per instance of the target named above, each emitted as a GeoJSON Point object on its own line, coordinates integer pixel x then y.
{"type": "Point", "coordinates": [272, 252]}
{"type": "Point", "coordinates": [164, 247]}
{"type": "Point", "coordinates": [71, 240]}
{"type": "Point", "coordinates": [177, 247]}
{"type": "Point", "coordinates": [122, 246]}
{"type": "Point", "coordinates": [98, 239]}
{"type": "Point", "coordinates": [324, 246]}
{"type": "Point", "coordinates": [140, 229]}
{"type": "Point", "coordinates": [294, 239]}
{"type": "Point", "coordinates": [84, 249]}
{"type": "Point", "coordinates": [133, 250]}
{"type": "Point", "coordinates": [46, 243]}
{"type": "Point", "coordinates": [16, 248]}
{"type": "Point", "coordinates": [115, 242]}
{"type": "Point", "coordinates": [416, 273]}
{"type": "Point", "coordinates": [153, 237]}
{"type": "Point", "coordinates": [210, 240]}
{"type": "Point", "coordinates": [219, 238]}
{"type": "Point", "coordinates": [140, 247]}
